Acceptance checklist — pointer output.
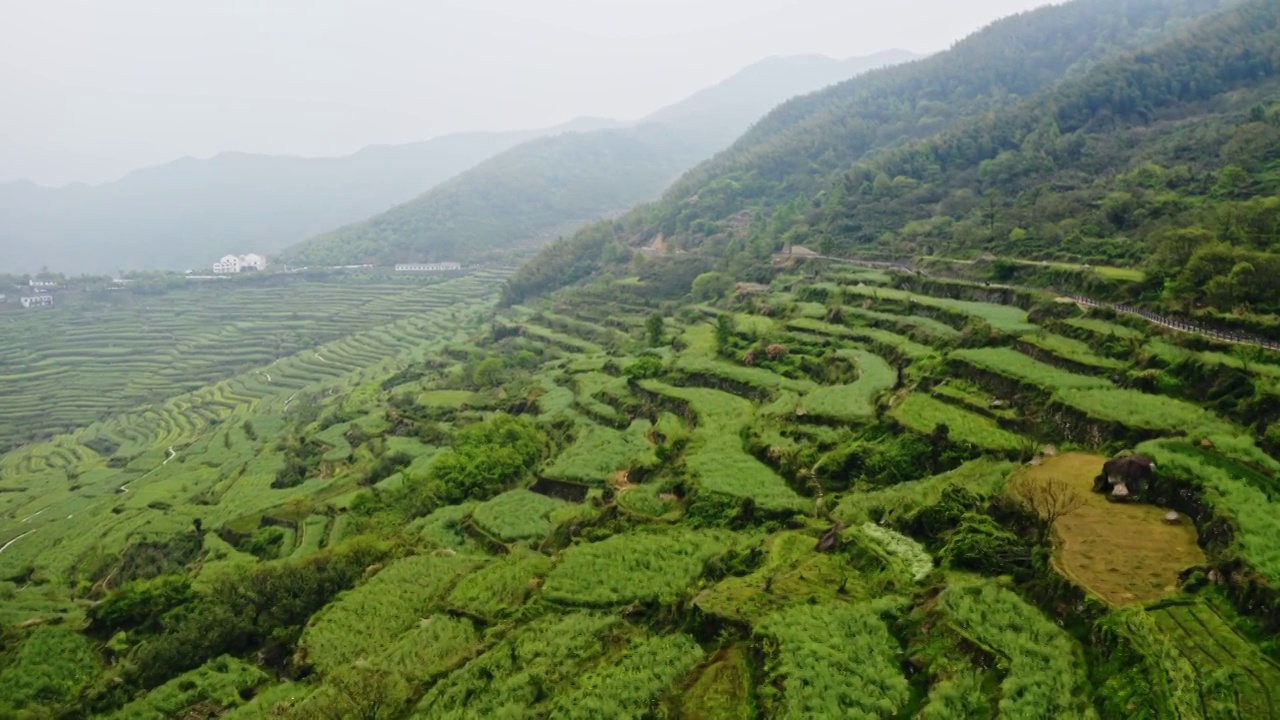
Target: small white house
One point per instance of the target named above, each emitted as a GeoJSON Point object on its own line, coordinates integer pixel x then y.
{"type": "Point", "coordinates": [231, 264]}
{"type": "Point", "coordinates": [34, 301]}
{"type": "Point", "coordinates": [428, 267]}
{"type": "Point", "coordinates": [42, 283]}
{"type": "Point", "coordinates": [228, 264]}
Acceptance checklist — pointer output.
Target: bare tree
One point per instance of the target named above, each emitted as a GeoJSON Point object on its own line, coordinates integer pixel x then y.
{"type": "Point", "coordinates": [1051, 498]}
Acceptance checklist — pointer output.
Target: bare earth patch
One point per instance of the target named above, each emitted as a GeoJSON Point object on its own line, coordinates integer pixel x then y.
{"type": "Point", "coordinates": [1122, 552]}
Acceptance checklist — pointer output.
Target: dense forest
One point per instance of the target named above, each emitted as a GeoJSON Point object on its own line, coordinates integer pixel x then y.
{"type": "Point", "coordinates": [527, 195]}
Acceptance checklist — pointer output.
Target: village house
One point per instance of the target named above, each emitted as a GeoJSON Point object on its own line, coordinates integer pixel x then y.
{"type": "Point", "coordinates": [42, 283]}
{"type": "Point", "coordinates": [428, 267]}
{"type": "Point", "coordinates": [231, 264]}
{"type": "Point", "coordinates": [33, 301]}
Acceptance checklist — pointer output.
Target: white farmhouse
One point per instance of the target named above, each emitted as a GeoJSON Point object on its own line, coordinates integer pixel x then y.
{"type": "Point", "coordinates": [32, 301]}
{"type": "Point", "coordinates": [253, 260]}
{"type": "Point", "coordinates": [231, 264]}
{"type": "Point", "coordinates": [428, 267]}
{"type": "Point", "coordinates": [228, 264]}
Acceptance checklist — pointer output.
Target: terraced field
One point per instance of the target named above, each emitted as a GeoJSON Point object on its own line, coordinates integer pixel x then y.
{"type": "Point", "coordinates": [154, 469]}
{"type": "Point", "coordinates": [731, 519]}
{"type": "Point", "coordinates": [64, 369]}
{"type": "Point", "coordinates": [1216, 651]}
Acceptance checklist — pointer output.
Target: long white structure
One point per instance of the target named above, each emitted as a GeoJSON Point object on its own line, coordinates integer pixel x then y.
{"type": "Point", "coordinates": [428, 267]}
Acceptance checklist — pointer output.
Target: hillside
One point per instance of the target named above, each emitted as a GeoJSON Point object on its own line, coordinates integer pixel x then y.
{"type": "Point", "coordinates": [824, 497]}
{"type": "Point", "coordinates": [190, 212]}
{"type": "Point", "coordinates": [679, 474]}
{"type": "Point", "coordinates": [548, 186]}
{"type": "Point", "coordinates": [751, 193]}
{"type": "Point", "coordinates": [1166, 160]}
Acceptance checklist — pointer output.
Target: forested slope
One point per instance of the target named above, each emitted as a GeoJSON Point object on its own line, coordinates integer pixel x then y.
{"type": "Point", "coordinates": [1167, 159]}
{"type": "Point", "coordinates": [1160, 122]}
{"type": "Point", "coordinates": [551, 185]}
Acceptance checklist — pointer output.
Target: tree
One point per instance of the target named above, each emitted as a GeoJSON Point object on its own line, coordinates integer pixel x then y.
{"type": "Point", "coordinates": [653, 328]}
{"type": "Point", "coordinates": [1051, 498]}
{"type": "Point", "coordinates": [711, 286]}
{"type": "Point", "coordinates": [488, 372]}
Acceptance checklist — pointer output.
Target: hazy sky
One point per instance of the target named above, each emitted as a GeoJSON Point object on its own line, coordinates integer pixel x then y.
{"type": "Point", "coordinates": [92, 89]}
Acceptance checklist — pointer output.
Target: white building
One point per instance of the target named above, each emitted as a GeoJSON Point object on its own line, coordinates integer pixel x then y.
{"type": "Point", "coordinates": [37, 301]}
{"type": "Point", "coordinates": [42, 283]}
{"type": "Point", "coordinates": [428, 267]}
{"type": "Point", "coordinates": [239, 263]}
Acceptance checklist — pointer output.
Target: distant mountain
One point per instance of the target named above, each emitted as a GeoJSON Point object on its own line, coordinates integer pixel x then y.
{"type": "Point", "coordinates": [550, 185]}
{"type": "Point", "coordinates": [189, 212]}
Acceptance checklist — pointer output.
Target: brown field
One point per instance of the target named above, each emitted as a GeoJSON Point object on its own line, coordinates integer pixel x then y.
{"type": "Point", "coordinates": [1122, 552]}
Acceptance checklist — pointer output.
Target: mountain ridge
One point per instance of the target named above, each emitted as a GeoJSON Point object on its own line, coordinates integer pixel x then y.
{"type": "Point", "coordinates": [549, 184]}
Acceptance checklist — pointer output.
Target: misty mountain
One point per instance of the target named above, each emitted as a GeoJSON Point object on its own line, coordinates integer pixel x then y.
{"type": "Point", "coordinates": [531, 192]}
{"type": "Point", "coordinates": [189, 212]}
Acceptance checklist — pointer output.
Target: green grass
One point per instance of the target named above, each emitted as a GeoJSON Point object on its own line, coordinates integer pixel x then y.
{"type": "Point", "coordinates": [790, 574]}
{"type": "Point", "coordinates": [1212, 648]}
{"type": "Point", "coordinates": [1070, 349]}
{"type": "Point", "coordinates": [435, 645]}
{"type": "Point", "coordinates": [908, 347]}
{"type": "Point", "coordinates": [716, 458]}
{"type": "Point", "coordinates": [446, 398]}
{"type": "Point", "coordinates": [645, 500]}
{"type": "Point", "coordinates": [1043, 673]}
{"type": "Point", "coordinates": [217, 684]}
{"type": "Point", "coordinates": [1004, 318]}
{"type": "Point", "coordinates": [443, 528]}
{"type": "Point", "coordinates": [700, 359]}
{"type": "Point", "coordinates": [632, 567]}
{"type": "Point", "coordinates": [598, 452]}
{"type": "Point", "coordinates": [627, 688]}
{"type": "Point", "coordinates": [831, 660]}
{"type": "Point", "coordinates": [1236, 490]}
{"type": "Point", "coordinates": [927, 325]}
{"type": "Point", "coordinates": [502, 587]}
{"type": "Point", "coordinates": [365, 620]}
{"type": "Point", "coordinates": [1104, 328]}
{"type": "Point", "coordinates": [856, 401]}
{"type": "Point", "coordinates": [513, 679]}
{"type": "Point", "coordinates": [1143, 411]}
{"type": "Point", "coordinates": [48, 669]}
{"type": "Point", "coordinates": [1013, 364]}
{"type": "Point", "coordinates": [983, 477]}
{"type": "Point", "coordinates": [922, 414]}
{"type": "Point", "coordinates": [516, 515]}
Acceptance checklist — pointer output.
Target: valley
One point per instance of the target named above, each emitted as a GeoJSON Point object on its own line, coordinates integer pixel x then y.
{"type": "Point", "coordinates": [946, 391]}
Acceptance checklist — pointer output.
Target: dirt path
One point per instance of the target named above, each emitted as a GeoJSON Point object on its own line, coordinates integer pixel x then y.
{"type": "Point", "coordinates": [6, 545]}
